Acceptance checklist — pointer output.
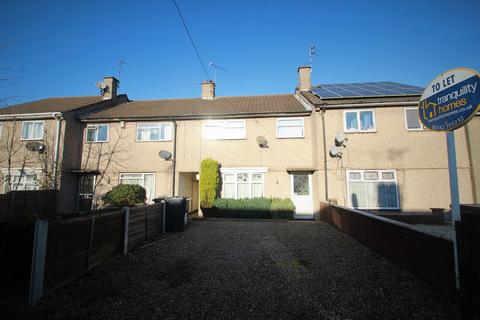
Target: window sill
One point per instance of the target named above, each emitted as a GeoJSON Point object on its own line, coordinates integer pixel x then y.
{"type": "Point", "coordinates": [299, 137]}
{"type": "Point", "coordinates": [142, 141]}
{"type": "Point", "coordinates": [96, 141]}
{"type": "Point", "coordinates": [361, 131]}
{"type": "Point", "coordinates": [39, 139]}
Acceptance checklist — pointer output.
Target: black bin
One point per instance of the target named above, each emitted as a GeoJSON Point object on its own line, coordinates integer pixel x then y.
{"type": "Point", "coordinates": [176, 216]}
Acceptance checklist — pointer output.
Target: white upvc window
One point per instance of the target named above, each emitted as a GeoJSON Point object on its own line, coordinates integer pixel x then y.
{"type": "Point", "coordinates": [26, 180]}
{"type": "Point", "coordinates": [154, 131]}
{"type": "Point", "coordinates": [33, 130]}
{"type": "Point", "coordinates": [290, 128]}
{"type": "Point", "coordinates": [373, 189]}
{"type": "Point", "coordinates": [359, 121]}
{"type": "Point", "coordinates": [412, 121]}
{"type": "Point", "coordinates": [145, 180]}
{"type": "Point", "coordinates": [239, 183]}
{"type": "Point", "coordinates": [224, 129]}
{"type": "Point", "coordinates": [96, 133]}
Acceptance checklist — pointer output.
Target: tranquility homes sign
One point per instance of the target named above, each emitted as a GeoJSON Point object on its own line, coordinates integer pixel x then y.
{"type": "Point", "coordinates": [450, 100]}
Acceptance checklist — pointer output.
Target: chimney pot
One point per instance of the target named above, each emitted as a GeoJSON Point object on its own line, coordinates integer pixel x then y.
{"type": "Point", "coordinates": [110, 91]}
{"type": "Point", "coordinates": [304, 78]}
{"type": "Point", "coordinates": [208, 90]}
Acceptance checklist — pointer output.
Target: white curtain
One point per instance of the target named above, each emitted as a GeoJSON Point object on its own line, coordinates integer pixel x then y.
{"type": "Point", "coordinates": [257, 190]}
{"type": "Point", "coordinates": [242, 190]}
{"type": "Point", "coordinates": [228, 190]}
{"type": "Point", "coordinates": [149, 185]}
{"type": "Point", "coordinates": [373, 195]}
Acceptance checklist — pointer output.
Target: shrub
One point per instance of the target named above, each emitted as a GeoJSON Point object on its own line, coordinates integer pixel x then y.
{"type": "Point", "coordinates": [209, 182]}
{"type": "Point", "coordinates": [125, 195]}
{"type": "Point", "coordinates": [279, 204]}
{"type": "Point", "coordinates": [243, 204]}
{"type": "Point", "coordinates": [282, 208]}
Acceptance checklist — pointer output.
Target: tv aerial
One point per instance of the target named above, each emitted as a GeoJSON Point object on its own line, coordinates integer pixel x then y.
{"type": "Point", "coordinates": [215, 67]}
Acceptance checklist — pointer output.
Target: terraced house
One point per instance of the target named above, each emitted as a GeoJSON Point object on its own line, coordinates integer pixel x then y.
{"type": "Point", "coordinates": [360, 145]}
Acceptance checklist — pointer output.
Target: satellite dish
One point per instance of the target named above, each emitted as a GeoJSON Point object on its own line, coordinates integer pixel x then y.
{"type": "Point", "coordinates": [340, 139]}
{"type": "Point", "coordinates": [35, 147]}
{"type": "Point", "coordinates": [164, 154]}
{"type": "Point", "coordinates": [101, 85]}
{"type": "Point", "coordinates": [335, 152]}
{"type": "Point", "coordinates": [262, 142]}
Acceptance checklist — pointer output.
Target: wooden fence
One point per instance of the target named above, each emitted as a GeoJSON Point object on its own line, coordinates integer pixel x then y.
{"type": "Point", "coordinates": [66, 248]}
{"type": "Point", "coordinates": [18, 204]}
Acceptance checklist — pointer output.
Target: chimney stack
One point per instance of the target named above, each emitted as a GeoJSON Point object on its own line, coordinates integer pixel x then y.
{"type": "Point", "coordinates": [110, 91]}
{"type": "Point", "coordinates": [208, 90]}
{"type": "Point", "coordinates": [304, 78]}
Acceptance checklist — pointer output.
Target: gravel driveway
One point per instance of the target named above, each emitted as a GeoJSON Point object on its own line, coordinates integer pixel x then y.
{"type": "Point", "coordinates": [248, 270]}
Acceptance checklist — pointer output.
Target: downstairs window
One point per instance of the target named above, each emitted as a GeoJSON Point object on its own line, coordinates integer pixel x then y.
{"type": "Point", "coordinates": [373, 189]}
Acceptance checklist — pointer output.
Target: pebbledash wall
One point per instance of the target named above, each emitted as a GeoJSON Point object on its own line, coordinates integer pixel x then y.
{"type": "Point", "coordinates": [281, 156]}
{"type": "Point", "coordinates": [418, 157]}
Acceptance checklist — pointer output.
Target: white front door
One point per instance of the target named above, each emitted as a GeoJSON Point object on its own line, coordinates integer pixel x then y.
{"type": "Point", "coordinates": [301, 189]}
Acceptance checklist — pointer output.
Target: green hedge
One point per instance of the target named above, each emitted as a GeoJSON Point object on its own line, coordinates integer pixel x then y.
{"type": "Point", "coordinates": [125, 195]}
{"type": "Point", "coordinates": [262, 208]}
{"type": "Point", "coordinates": [209, 182]}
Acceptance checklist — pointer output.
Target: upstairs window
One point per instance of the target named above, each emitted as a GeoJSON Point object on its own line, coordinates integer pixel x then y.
{"type": "Point", "coordinates": [224, 129]}
{"type": "Point", "coordinates": [290, 128]}
{"type": "Point", "coordinates": [32, 130]}
{"type": "Point", "coordinates": [359, 121]}
{"type": "Point", "coordinates": [97, 133]}
{"type": "Point", "coordinates": [154, 131]}
{"type": "Point", "coordinates": [412, 120]}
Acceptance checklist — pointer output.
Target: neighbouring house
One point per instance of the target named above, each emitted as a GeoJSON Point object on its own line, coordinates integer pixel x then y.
{"type": "Point", "coordinates": [40, 143]}
{"type": "Point", "coordinates": [388, 161]}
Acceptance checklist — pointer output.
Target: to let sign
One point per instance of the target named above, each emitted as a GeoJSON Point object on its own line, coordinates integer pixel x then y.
{"type": "Point", "coordinates": [450, 100]}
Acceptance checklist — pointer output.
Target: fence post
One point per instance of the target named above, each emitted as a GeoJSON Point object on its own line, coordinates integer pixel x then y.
{"type": "Point", "coordinates": [146, 222]}
{"type": "Point", "coordinates": [164, 203]}
{"type": "Point", "coordinates": [126, 211]}
{"type": "Point", "coordinates": [90, 240]}
{"type": "Point", "coordinates": [37, 273]}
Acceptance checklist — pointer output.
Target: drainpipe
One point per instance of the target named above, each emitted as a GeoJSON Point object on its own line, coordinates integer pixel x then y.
{"type": "Point", "coordinates": [174, 157]}
{"type": "Point", "coordinates": [470, 162]}
{"type": "Point", "coordinates": [322, 114]}
{"type": "Point", "coordinates": [57, 149]}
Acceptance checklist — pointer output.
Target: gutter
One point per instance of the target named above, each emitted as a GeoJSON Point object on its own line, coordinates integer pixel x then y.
{"type": "Point", "coordinates": [41, 115]}
{"type": "Point", "coordinates": [325, 154]}
{"type": "Point", "coordinates": [371, 104]}
{"type": "Point", "coordinates": [58, 129]}
{"type": "Point", "coordinates": [206, 117]}
{"type": "Point", "coordinates": [174, 154]}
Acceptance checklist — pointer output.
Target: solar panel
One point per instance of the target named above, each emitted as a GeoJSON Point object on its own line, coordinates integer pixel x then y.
{"type": "Point", "coordinates": [365, 89]}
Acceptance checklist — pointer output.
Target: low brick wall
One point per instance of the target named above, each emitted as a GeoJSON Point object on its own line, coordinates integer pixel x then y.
{"type": "Point", "coordinates": [428, 257]}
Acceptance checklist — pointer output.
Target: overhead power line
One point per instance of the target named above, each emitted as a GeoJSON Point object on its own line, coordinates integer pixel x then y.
{"type": "Point", "coordinates": [191, 40]}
